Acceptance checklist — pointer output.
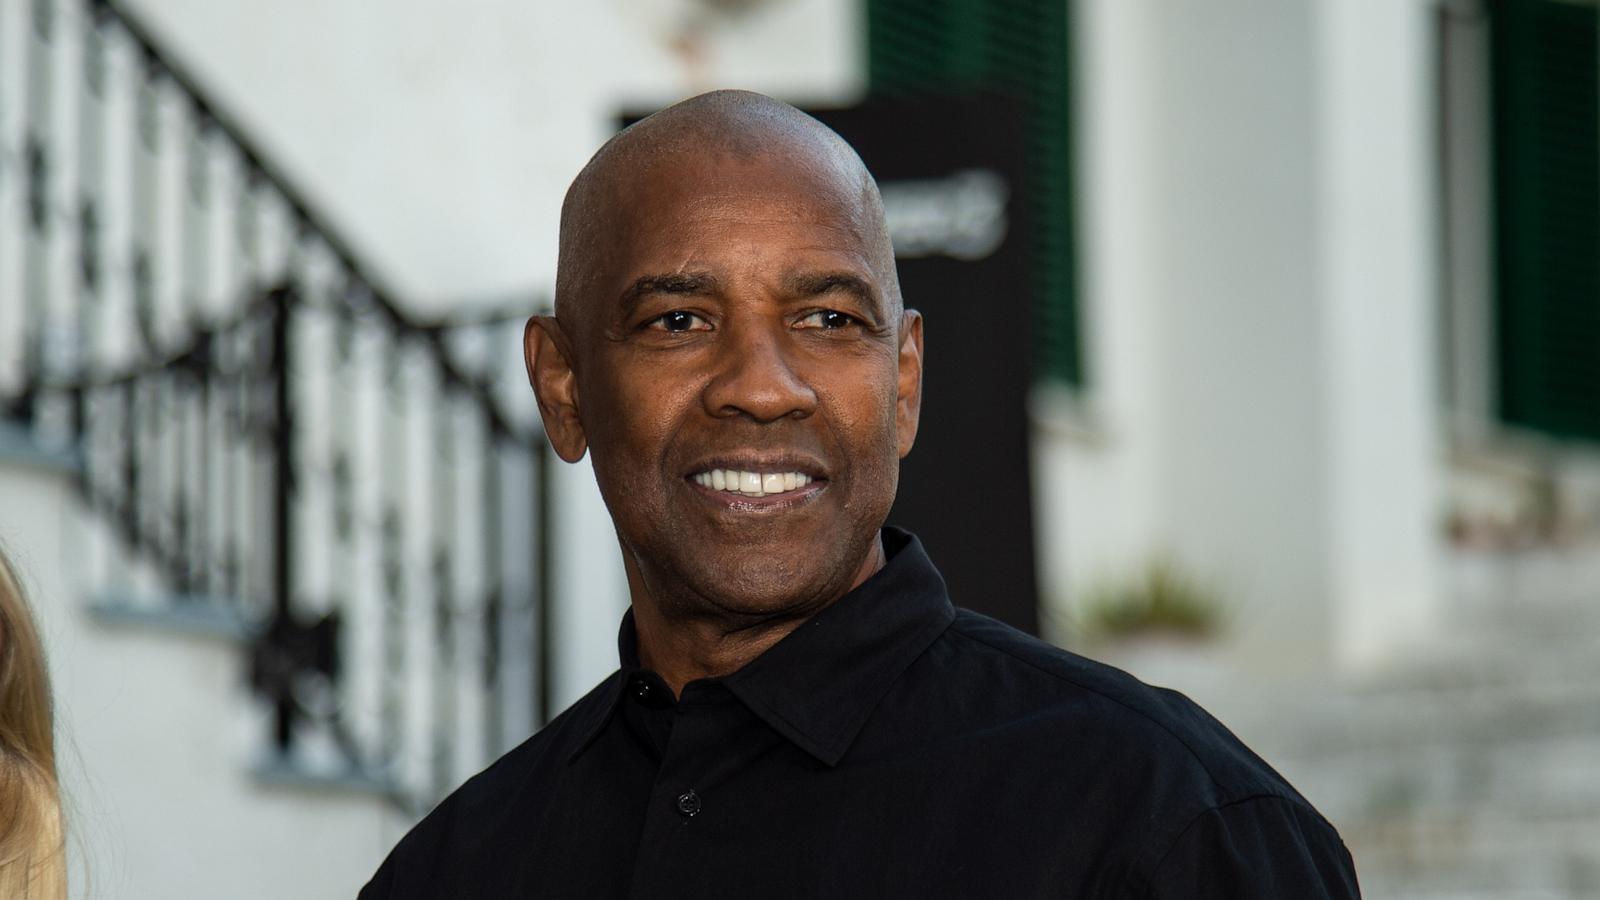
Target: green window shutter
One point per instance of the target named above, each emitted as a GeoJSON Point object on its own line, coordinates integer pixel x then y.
{"type": "Point", "coordinates": [1546, 96]}
{"type": "Point", "coordinates": [1018, 48]}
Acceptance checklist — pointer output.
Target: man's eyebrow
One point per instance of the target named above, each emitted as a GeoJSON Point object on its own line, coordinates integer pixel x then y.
{"type": "Point", "coordinates": [680, 283]}
{"type": "Point", "coordinates": [812, 284]}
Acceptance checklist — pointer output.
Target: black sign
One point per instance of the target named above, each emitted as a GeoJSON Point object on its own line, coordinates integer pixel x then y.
{"type": "Point", "coordinates": [952, 173]}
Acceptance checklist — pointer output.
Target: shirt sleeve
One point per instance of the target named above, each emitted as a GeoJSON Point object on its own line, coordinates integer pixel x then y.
{"type": "Point", "coordinates": [1263, 847]}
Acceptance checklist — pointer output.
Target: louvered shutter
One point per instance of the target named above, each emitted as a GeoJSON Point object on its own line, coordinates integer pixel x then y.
{"type": "Point", "coordinates": [1017, 48]}
{"type": "Point", "coordinates": [1546, 96]}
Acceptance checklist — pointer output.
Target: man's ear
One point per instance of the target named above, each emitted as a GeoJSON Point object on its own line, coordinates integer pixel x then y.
{"type": "Point", "coordinates": [547, 352]}
{"type": "Point", "coordinates": [908, 409]}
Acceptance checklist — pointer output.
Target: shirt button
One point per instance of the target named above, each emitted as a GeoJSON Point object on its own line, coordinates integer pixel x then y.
{"type": "Point", "coordinates": [643, 691]}
{"type": "Point", "coordinates": [688, 803]}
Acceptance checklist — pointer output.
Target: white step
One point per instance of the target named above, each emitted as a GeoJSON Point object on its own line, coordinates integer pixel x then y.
{"type": "Point", "coordinates": [1481, 856]}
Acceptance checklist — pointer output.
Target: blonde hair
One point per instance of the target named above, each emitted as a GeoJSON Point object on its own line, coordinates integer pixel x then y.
{"type": "Point", "coordinates": [33, 864]}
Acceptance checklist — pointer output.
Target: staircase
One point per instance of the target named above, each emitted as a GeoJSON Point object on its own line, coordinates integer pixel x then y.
{"type": "Point", "coordinates": [1470, 771]}
{"type": "Point", "coordinates": [1466, 770]}
{"type": "Point", "coordinates": [290, 541]}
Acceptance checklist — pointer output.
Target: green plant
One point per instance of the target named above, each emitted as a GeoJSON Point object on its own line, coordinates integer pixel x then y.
{"type": "Point", "coordinates": [1161, 598]}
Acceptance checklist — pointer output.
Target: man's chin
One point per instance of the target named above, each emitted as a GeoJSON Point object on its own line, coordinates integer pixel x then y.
{"type": "Point", "coordinates": [759, 599]}
{"type": "Point", "coordinates": [757, 587]}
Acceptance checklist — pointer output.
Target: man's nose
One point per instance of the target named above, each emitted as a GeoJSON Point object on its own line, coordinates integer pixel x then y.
{"type": "Point", "coordinates": [756, 375]}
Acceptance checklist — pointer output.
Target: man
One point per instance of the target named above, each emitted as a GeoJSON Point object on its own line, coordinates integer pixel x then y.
{"type": "Point", "coordinates": [800, 711]}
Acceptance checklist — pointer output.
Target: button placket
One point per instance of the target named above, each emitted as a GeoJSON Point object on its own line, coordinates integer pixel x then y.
{"type": "Point", "coordinates": [677, 823]}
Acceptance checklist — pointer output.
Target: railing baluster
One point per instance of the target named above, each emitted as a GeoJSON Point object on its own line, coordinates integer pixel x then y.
{"type": "Point", "coordinates": [244, 273]}
{"type": "Point", "coordinates": [493, 592]}
{"type": "Point", "coordinates": [283, 491]}
{"type": "Point", "coordinates": [35, 259]}
{"type": "Point", "coordinates": [234, 415]}
{"type": "Point", "coordinates": [205, 450]}
{"type": "Point", "coordinates": [247, 224]}
{"type": "Point", "coordinates": [176, 434]}
{"type": "Point", "coordinates": [342, 387]}
{"type": "Point", "coordinates": [543, 618]}
{"type": "Point", "coordinates": [444, 526]}
{"type": "Point", "coordinates": [396, 475]}
{"type": "Point", "coordinates": [130, 463]}
{"type": "Point", "coordinates": [194, 245]}
{"type": "Point", "coordinates": [91, 183]}
{"type": "Point", "coordinates": [344, 571]}
{"type": "Point", "coordinates": [143, 187]}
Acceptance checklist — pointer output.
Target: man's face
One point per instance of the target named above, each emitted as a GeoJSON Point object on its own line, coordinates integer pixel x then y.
{"type": "Point", "coordinates": [745, 385]}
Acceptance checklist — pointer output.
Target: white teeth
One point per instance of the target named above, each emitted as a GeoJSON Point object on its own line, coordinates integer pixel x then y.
{"type": "Point", "coordinates": [754, 484]}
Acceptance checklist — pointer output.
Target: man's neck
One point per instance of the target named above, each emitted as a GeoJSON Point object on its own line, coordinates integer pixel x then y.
{"type": "Point", "coordinates": [685, 649]}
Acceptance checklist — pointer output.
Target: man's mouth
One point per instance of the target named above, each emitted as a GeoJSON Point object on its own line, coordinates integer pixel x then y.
{"type": "Point", "coordinates": [751, 484]}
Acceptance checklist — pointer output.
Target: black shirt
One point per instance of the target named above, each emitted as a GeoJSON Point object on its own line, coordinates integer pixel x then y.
{"type": "Point", "coordinates": [891, 746]}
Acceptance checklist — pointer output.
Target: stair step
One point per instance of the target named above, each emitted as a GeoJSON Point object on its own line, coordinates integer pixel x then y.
{"type": "Point", "coordinates": [199, 616]}
{"type": "Point", "coordinates": [20, 446]}
{"type": "Point", "coordinates": [1542, 591]}
{"type": "Point", "coordinates": [1492, 663]}
{"type": "Point", "coordinates": [1341, 726]}
{"type": "Point", "coordinates": [1484, 855]}
{"type": "Point", "coordinates": [1538, 776]}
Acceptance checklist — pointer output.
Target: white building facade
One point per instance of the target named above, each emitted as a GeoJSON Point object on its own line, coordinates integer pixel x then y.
{"type": "Point", "coordinates": [1260, 217]}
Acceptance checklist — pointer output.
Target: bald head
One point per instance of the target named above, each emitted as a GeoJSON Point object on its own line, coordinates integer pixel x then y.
{"type": "Point", "coordinates": [721, 127]}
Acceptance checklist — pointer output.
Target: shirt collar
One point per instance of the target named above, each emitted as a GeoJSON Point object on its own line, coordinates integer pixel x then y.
{"type": "Point", "coordinates": [818, 686]}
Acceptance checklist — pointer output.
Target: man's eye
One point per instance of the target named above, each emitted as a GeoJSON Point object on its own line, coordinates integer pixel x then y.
{"type": "Point", "coordinates": [827, 318]}
{"type": "Point", "coordinates": [679, 320]}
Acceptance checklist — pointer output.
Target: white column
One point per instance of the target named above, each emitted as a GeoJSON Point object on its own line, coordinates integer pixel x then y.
{"type": "Point", "coordinates": [1377, 299]}
{"type": "Point", "coordinates": [1243, 452]}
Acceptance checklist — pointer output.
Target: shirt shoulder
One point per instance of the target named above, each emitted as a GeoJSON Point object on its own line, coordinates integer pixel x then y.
{"type": "Point", "coordinates": [1198, 789]}
{"type": "Point", "coordinates": [1255, 849]}
{"type": "Point", "coordinates": [437, 857]}
{"type": "Point", "coordinates": [1062, 687]}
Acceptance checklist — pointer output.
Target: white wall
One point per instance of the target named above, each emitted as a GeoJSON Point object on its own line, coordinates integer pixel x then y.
{"type": "Point", "coordinates": [1242, 458]}
{"type": "Point", "coordinates": [1257, 301]}
{"type": "Point", "coordinates": [442, 135]}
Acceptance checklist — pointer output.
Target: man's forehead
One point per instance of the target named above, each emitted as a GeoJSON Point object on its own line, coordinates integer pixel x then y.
{"type": "Point", "coordinates": [682, 207]}
{"type": "Point", "coordinates": [748, 157]}
{"type": "Point", "coordinates": [695, 178]}
{"type": "Point", "coordinates": [680, 200]}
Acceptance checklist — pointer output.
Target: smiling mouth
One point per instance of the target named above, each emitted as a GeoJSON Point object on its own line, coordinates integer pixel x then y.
{"type": "Point", "coordinates": [751, 484]}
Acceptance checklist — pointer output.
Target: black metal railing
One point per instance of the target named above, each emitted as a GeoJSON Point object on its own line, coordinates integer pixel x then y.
{"type": "Point", "coordinates": [265, 435]}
